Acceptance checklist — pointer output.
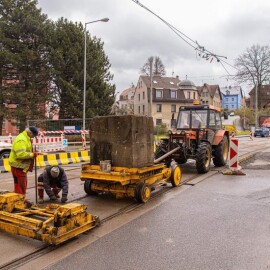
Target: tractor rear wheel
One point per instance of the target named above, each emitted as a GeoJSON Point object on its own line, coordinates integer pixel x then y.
{"type": "Point", "coordinates": [221, 153]}
{"type": "Point", "coordinates": [203, 158]}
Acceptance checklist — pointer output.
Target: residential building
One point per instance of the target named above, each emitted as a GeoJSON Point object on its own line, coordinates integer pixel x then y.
{"type": "Point", "coordinates": [210, 94]}
{"type": "Point", "coordinates": [232, 97]}
{"type": "Point", "coordinates": [126, 101]}
{"type": "Point", "coordinates": [263, 94]}
{"type": "Point", "coordinates": [168, 94]}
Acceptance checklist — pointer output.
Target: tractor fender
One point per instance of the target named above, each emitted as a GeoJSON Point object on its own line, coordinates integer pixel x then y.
{"type": "Point", "coordinates": [219, 135]}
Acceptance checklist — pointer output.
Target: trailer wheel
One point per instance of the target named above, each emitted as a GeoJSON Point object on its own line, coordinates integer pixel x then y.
{"type": "Point", "coordinates": [142, 193]}
{"type": "Point", "coordinates": [176, 176]}
{"type": "Point", "coordinates": [203, 158]}
{"type": "Point", "coordinates": [87, 187]}
{"type": "Point", "coordinates": [221, 153]}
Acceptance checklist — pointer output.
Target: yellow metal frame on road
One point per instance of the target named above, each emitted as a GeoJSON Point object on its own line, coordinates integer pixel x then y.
{"type": "Point", "coordinates": [52, 225]}
{"type": "Point", "coordinates": [128, 182]}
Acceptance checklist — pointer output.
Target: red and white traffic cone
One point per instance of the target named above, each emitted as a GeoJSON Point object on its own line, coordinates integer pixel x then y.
{"type": "Point", "coordinates": [234, 168]}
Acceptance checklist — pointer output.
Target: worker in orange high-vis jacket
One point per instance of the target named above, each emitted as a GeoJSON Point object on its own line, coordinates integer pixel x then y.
{"type": "Point", "coordinates": [21, 158]}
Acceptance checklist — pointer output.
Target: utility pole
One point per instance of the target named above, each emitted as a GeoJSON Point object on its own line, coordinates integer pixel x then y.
{"type": "Point", "coordinates": [151, 87]}
{"type": "Point", "coordinates": [84, 66]}
{"type": "Point", "coordinates": [256, 105]}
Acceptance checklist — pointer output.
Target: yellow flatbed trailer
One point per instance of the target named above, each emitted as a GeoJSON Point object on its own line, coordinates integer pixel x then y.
{"type": "Point", "coordinates": [129, 182]}
{"type": "Point", "coordinates": [52, 225]}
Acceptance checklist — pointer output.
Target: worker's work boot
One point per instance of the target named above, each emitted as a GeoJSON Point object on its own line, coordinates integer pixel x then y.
{"type": "Point", "coordinates": [40, 200]}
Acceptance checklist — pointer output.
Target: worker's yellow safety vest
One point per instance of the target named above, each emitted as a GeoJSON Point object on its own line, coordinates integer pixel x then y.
{"type": "Point", "coordinates": [21, 154]}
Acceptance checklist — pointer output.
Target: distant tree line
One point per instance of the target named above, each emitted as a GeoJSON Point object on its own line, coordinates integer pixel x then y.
{"type": "Point", "coordinates": [41, 62]}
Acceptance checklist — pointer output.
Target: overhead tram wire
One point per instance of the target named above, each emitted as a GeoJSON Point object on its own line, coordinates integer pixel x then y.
{"type": "Point", "coordinates": [206, 54]}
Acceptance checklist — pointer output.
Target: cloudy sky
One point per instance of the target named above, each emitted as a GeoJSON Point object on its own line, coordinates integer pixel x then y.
{"type": "Point", "coordinates": [133, 34]}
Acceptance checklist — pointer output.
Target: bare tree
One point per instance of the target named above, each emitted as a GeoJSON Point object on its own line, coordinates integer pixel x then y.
{"type": "Point", "coordinates": [254, 65]}
{"type": "Point", "coordinates": [157, 66]}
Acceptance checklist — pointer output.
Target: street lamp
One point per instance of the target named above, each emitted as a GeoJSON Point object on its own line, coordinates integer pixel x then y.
{"type": "Point", "coordinates": [84, 70]}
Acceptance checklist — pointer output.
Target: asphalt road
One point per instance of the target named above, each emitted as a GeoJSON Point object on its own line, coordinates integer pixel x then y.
{"type": "Point", "coordinates": [220, 223]}
{"type": "Point", "coordinates": [14, 247]}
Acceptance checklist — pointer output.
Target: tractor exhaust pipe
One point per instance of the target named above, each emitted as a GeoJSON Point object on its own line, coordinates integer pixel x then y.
{"type": "Point", "coordinates": [167, 154]}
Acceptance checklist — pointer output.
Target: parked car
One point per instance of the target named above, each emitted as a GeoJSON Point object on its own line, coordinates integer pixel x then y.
{"type": "Point", "coordinates": [5, 149]}
{"type": "Point", "coordinates": [232, 114]}
{"type": "Point", "coordinates": [262, 132]}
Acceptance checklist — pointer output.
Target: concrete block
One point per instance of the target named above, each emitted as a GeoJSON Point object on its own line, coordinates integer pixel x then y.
{"type": "Point", "coordinates": [125, 140]}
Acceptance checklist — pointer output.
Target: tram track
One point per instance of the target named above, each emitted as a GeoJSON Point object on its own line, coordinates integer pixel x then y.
{"type": "Point", "coordinates": [45, 249]}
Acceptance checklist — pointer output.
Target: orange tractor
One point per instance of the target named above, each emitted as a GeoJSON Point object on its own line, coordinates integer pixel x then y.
{"type": "Point", "coordinates": [197, 134]}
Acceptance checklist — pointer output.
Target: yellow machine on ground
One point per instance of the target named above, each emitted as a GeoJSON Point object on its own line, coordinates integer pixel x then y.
{"type": "Point", "coordinates": [52, 225]}
{"type": "Point", "coordinates": [129, 182]}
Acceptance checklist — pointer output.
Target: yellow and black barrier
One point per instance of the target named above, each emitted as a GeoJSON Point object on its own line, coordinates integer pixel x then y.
{"type": "Point", "coordinates": [52, 159]}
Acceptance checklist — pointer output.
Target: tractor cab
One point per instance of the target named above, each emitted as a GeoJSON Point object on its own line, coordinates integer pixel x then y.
{"type": "Point", "coordinates": [199, 117]}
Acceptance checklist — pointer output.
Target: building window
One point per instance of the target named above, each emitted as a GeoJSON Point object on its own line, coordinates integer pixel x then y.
{"type": "Point", "coordinates": [143, 109]}
{"type": "Point", "coordinates": [139, 97]}
{"type": "Point", "coordinates": [188, 95]}
{"type": "Point", "coordinates": [173, 94]}
{"type": "Point", "coordinates": [194, 95]}
{"type": "Point", "coordinates": [226, 99]}
{"type": "Point", "coordinates": [158, 122]}
{"type": "Point", "coordinates": [173, 108]}
{"type": "Point", "coordinates": [159, 107]}
{"type": "Point", "coordinates": [232, 99]}
{"type": "Point", "coordinates": [159, 93]}
{"type": "Point", "coordinates": [143, 95]}
{"type": "Point", "coordinates": [139, 109]}
{"type": "Point", "coordinates": [232, 106]}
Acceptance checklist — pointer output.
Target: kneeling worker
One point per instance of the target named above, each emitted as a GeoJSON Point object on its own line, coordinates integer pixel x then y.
{"type": "Point", "coordinates": [53, 179]}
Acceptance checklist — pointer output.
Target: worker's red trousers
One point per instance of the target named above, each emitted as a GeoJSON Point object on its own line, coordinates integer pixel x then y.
{"type": "Point", "coordinates": [20, 180]}
{"type": "Point", "coordinates": [54, 188]}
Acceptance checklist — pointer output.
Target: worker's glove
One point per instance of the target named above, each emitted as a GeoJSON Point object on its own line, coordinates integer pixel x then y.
{"type": "Point", "coordinates": [35, 154]}
{"type": "Point", "coordinates": [53, 198]}
{"type": "Point", "coordinates": [64, 198]}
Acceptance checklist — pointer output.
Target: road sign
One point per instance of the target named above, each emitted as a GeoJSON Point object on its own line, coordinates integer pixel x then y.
{"type": "Point", "coordinates": [64, 142]}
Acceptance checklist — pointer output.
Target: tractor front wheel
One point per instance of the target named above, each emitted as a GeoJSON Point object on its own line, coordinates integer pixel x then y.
{"type": "Point", "coordinates": [203, 157]}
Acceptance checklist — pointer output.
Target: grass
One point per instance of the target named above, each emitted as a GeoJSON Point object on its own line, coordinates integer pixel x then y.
{"type": "Point", "coordinates": [245, 132]}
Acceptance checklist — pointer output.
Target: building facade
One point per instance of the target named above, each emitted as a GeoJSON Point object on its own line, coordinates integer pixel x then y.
{"type": "Point", "coordinates": [232, 97]}
{"type": "Point", "coordinates": [263, 95]}
{"type": "Point", "coordinates": [210, 94]}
